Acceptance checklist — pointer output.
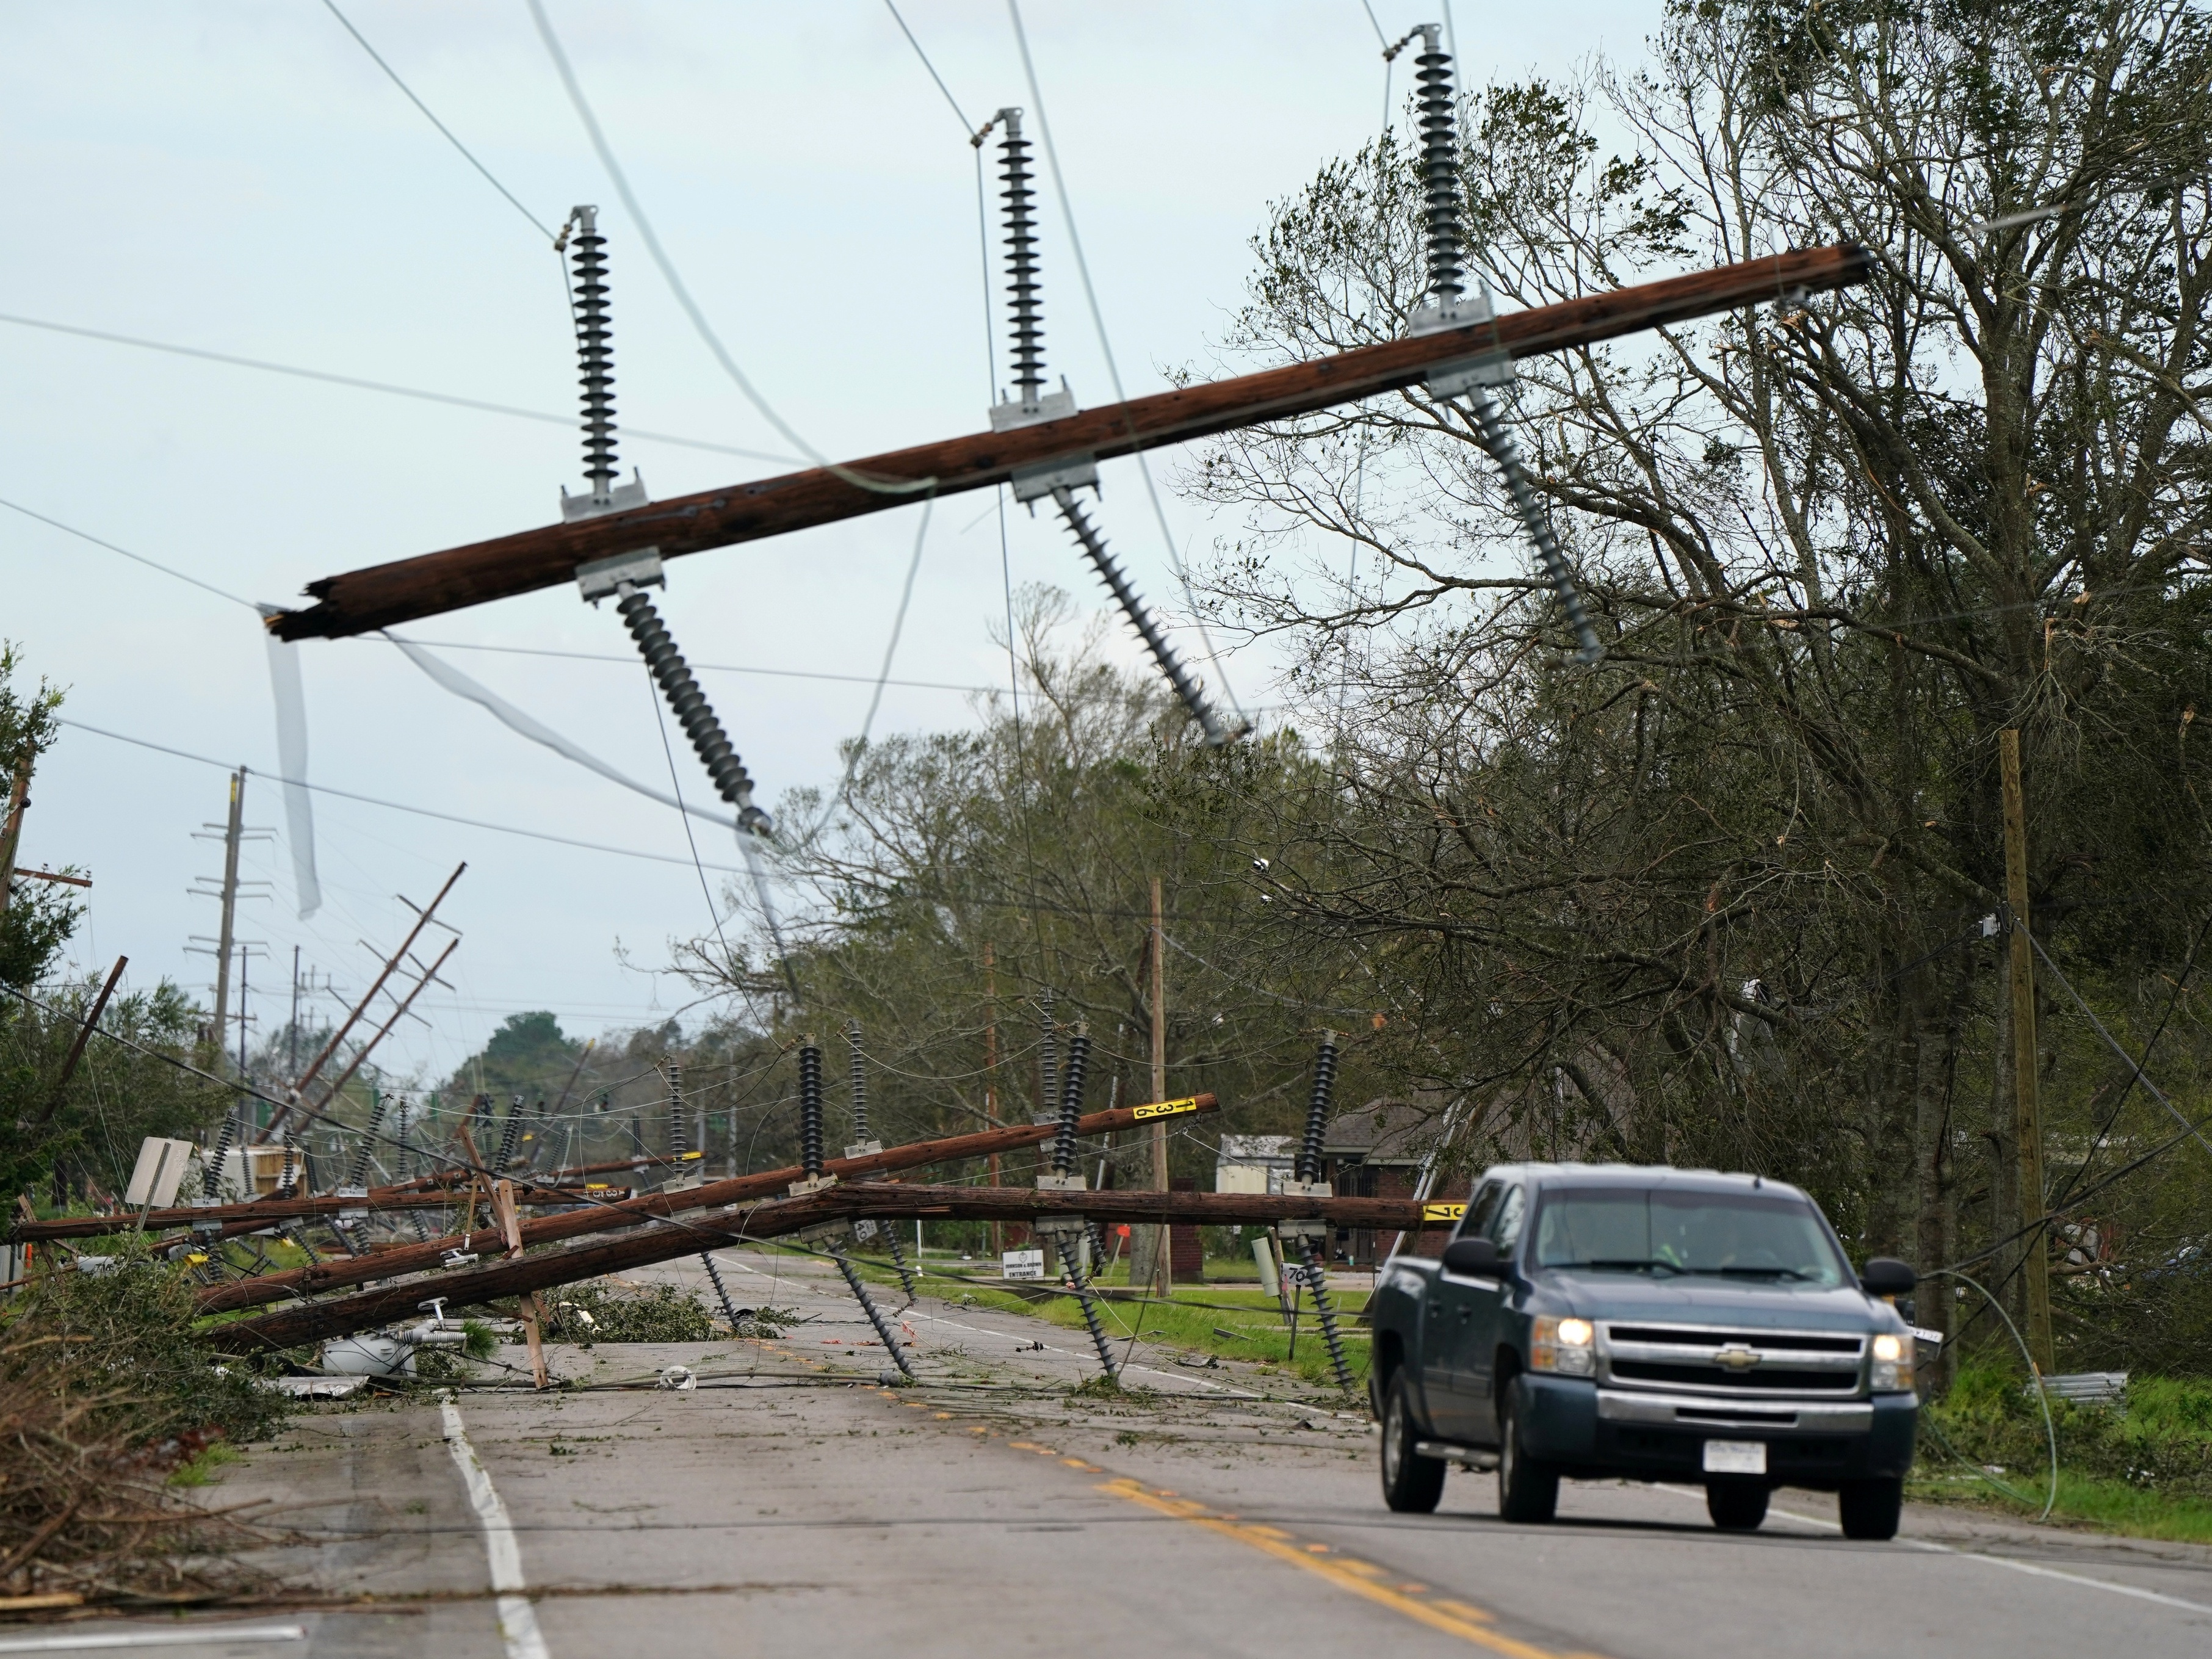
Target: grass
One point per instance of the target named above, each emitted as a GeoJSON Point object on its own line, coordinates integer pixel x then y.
{"type": "Point", "coordinates": [2145, 1472]}
{"type": "Point", "coordinates": [1222, 1318]}
{"type": "Point", "coordinates": [198, 1469]}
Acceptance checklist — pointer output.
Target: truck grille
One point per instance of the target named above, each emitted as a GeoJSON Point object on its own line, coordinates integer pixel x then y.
{"type": "Point", "coordinates": [1739, 1363]}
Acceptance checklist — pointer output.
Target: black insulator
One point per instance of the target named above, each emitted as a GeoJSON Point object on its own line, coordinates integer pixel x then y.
{"type": "Point", "coordinates": [810, 1109]}
{"type": "Point", "coordinates": [1071, 1101]}
{"type": "Point", "coordinates": [1048, 1057]}
{"type": "Point", "coordinates": [595, 352]}
{"type": "Point", "coordinates": [860, 1078]}
{"type": "Point", "coordinates": [510, 1126]}
{"type": "Point", "coordinates": [1140, 618]}
{"type": "Point", "coordinates": [1440, 166]}
{"type": "Point", "coordinates": [721, 1290]}
{"type": "Point", "coordinates": [899, 1261]}
{"type": "Point", "coordinates": [1317, 1104]}
{"type": "Point", "coordinates": [1022, 287]}
{"type": "Point", "coordinates": [731, 781]}
{"type": "Point", "coordinates": [212, 1176]}
{"type": "Point", "coordinates": [1081, 1283]}
{"type": "Point", "coordinates": [358, 1175]}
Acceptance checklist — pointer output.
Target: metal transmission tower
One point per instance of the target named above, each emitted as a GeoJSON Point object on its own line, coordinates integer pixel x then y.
{"type": "Point", "coordinates": [1475, 377]}
{"type": "Point", "coordinates": [1032, 405]}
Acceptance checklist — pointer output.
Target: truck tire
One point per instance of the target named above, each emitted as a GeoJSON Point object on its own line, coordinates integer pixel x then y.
{"type": "Point", "coordinates": [1528, 1490]}
{"type": "Point", "coordinates": [1411, 1483]}
{"type": "Point", "coordinates": [1736, 1505]}
{"type": "Point", "coordinates": [1870, 1508]}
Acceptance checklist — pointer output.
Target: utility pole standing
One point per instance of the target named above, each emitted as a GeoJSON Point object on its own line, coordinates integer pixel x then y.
{"type": "Point", "coordinates": [226, 933]}
{"type": "Point", "coordinates": [18, 796]}
{"type": "Point", "coordinates": [2027, 1119]}
{"type": "Point", "coordinates": [1163, 1269]}
{"type": "Point", "coordinates": [991, 1072]}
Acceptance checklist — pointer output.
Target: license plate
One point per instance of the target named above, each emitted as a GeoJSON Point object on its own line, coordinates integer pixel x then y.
{"type": "Point", "coordinates": [1736, 1457]}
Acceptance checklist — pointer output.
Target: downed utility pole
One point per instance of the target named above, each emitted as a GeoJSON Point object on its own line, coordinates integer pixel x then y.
{"type": "Point", "coordinates": [288, 1327]}
{"type": "Point", "coordinates": [382, 596]}
{"type": "Point", "coordinates": [613, 1214]}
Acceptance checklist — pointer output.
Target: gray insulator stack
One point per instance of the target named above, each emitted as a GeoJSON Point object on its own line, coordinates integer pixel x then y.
{"type": "Point", "coordinates": [680, 1129]}
{"type": "Point", "coordinates": [510, 1127]}
{"type": "Point", "coordinates": [288, 1177]}
{"type": "Point", "coordinates": [858, 1074]}
{"type": "Point", "coordinates": [410, 1166]}
{"type": "Point", "coordinates": [731, 781]}
{"type": "Point", "coordinates": [1141, 617]}
{"type": "Point", "coordinates": [1022, 285]}
{"type": "Point", "coordinates": [595, 352]}
{"type": "Point", "coordinates": [1049, 1055]}
{"type": "Point", "coordinates": [1317, 1105]}
{"type": "Point", "coordinates": [357, 1172]}
{"type": "Point", "coordinates": [810, 1108]}
{"type": "Point", "coordinates": [1071, 1101]}
{"type": "Point", "coordinates": [212, 1176]}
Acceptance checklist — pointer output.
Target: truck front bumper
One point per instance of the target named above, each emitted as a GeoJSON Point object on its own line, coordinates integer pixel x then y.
{"type": "Point", "coordinates": [1590, 1430]}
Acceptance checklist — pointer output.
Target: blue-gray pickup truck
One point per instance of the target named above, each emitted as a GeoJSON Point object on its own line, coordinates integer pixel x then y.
{"type": "Point", "coordinates": [1609, 1321]}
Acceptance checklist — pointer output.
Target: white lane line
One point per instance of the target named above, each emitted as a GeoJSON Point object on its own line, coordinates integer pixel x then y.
{"type": "Point", "coordinates": [192, 1636]}
{"type": "Point", "coordinates": [518, 1620]}
{"type": "Point", "coordinates": [1930, 1547]}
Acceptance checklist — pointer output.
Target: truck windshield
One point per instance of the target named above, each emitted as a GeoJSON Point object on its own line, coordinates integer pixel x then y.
{"type": "Point", "coordinates": [1758, 1239]}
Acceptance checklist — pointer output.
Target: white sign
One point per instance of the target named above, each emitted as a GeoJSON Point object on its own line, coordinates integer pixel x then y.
{"type": "Point", "coordinates": [1021, 1264]}
{"type": "Point", "coordinates": [160, 1171]}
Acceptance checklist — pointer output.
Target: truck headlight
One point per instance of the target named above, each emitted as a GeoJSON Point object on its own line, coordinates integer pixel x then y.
{"type": "Point", "coordinates": [1562, 1345]}
{"type": "Point", "coordinates": [1893, 1363]}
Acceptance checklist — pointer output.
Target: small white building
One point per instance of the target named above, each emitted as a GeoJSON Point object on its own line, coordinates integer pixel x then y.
{"type": "Point", "coordinates": [1255, 1163]}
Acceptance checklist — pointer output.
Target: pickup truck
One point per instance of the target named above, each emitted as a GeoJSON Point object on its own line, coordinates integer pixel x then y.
{"type": "Point", "coordinates": [1610, 1321]}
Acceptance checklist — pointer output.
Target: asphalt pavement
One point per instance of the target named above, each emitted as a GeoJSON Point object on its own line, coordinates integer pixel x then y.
{"type": "Point", "coordinates": [788, 1503]}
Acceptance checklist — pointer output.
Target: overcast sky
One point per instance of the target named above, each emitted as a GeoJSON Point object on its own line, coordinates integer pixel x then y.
{"type": "Point", "coordinates": [241, 178]}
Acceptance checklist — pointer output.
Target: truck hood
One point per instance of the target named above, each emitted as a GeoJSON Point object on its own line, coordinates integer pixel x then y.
{"type": "Point", "coordinates": [1697, 1301]}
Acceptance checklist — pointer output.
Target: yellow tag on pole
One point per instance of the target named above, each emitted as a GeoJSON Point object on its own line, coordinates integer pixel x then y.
{"type": "Point", "coordinates": [1443, 1212]}
{"type": "Point", "coordinates": [1167, 1108]}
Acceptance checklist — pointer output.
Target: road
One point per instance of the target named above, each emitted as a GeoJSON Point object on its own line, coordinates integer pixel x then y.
{"type": "Point", "coordinates": [791, 1504]}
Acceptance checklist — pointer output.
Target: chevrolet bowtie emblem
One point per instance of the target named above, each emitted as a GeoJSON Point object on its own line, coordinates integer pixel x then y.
{"type": "Point", "coordinates": [1736, 1357]}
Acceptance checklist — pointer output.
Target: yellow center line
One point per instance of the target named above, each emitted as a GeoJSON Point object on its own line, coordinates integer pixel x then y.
{"type": "Point", "coordinates": [1469, 1623]}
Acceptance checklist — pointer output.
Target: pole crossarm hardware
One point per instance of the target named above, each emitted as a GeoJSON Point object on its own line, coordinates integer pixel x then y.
{"type": "Point", "coordinates": [295, 1326]}
{"type": "Point", "coordinates": [630, 1212]}
{"type": "Point", "coordinates": [383, 596]}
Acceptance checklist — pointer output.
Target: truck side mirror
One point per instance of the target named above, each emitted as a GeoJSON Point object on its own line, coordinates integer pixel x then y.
{"type": "Point", "coordinates": [1882, 1275]}
{"type": "Point", "coordinates": [1472, 1258]}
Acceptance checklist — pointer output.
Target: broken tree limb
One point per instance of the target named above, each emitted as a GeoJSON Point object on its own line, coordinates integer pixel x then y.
{"type": "Point", "coordinates": [599, 1217]}
{"type": "Point", "coordinates": [290, 1328]}
{"type": "Point", "coordinates": [408, 589]}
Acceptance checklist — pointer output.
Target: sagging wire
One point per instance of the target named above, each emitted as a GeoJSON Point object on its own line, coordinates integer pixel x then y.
{"type": "Point", "coordinates": [1114, 373]}
{"type": "Point", "coordinates": [682, 294]}
{"type": "Point", "coordinates": [1029, 403]}
{"type": "Point", "coordinates": [1440, 172]}
{"type": "Point", "coordinates": [2042, 1398]}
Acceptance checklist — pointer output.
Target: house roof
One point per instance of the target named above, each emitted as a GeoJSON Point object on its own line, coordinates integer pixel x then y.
{"type": "Point", "coordinates": [1382, 1132]}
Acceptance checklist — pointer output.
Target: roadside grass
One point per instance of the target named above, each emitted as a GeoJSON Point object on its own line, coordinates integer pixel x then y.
{"type": "Point", "coordinates": [198, 1469]}
{"type": "Point", "coordinates": [2145, 1471]}
{"type": "Point", "coordinates": [1222, 1318]}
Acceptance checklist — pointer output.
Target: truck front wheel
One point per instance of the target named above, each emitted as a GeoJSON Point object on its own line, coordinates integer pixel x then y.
{"type": "Point", "coordinates": [1411, 1483]}
{"type": "Point", "coordinates": [1527, 1490]}
{"type": "Point", "coordinates": [1870, 1508]}
{"type": "Point", "coordinates": [1736, 1505]}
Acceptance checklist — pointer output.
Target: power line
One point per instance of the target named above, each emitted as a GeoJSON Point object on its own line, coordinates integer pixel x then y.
{"type": "Point", "coordinates": [467, 155]}
{"type": "Point", "coordinates": [395, 806]}
{"type": "Point", "coordinates": [958, 114]}
{"type": "Point", "coordinates": [387, 387]}
{"type": "Point", "coordinates": [1106, 349]}
{"type": "Point", "coordinates": [137, 558]}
